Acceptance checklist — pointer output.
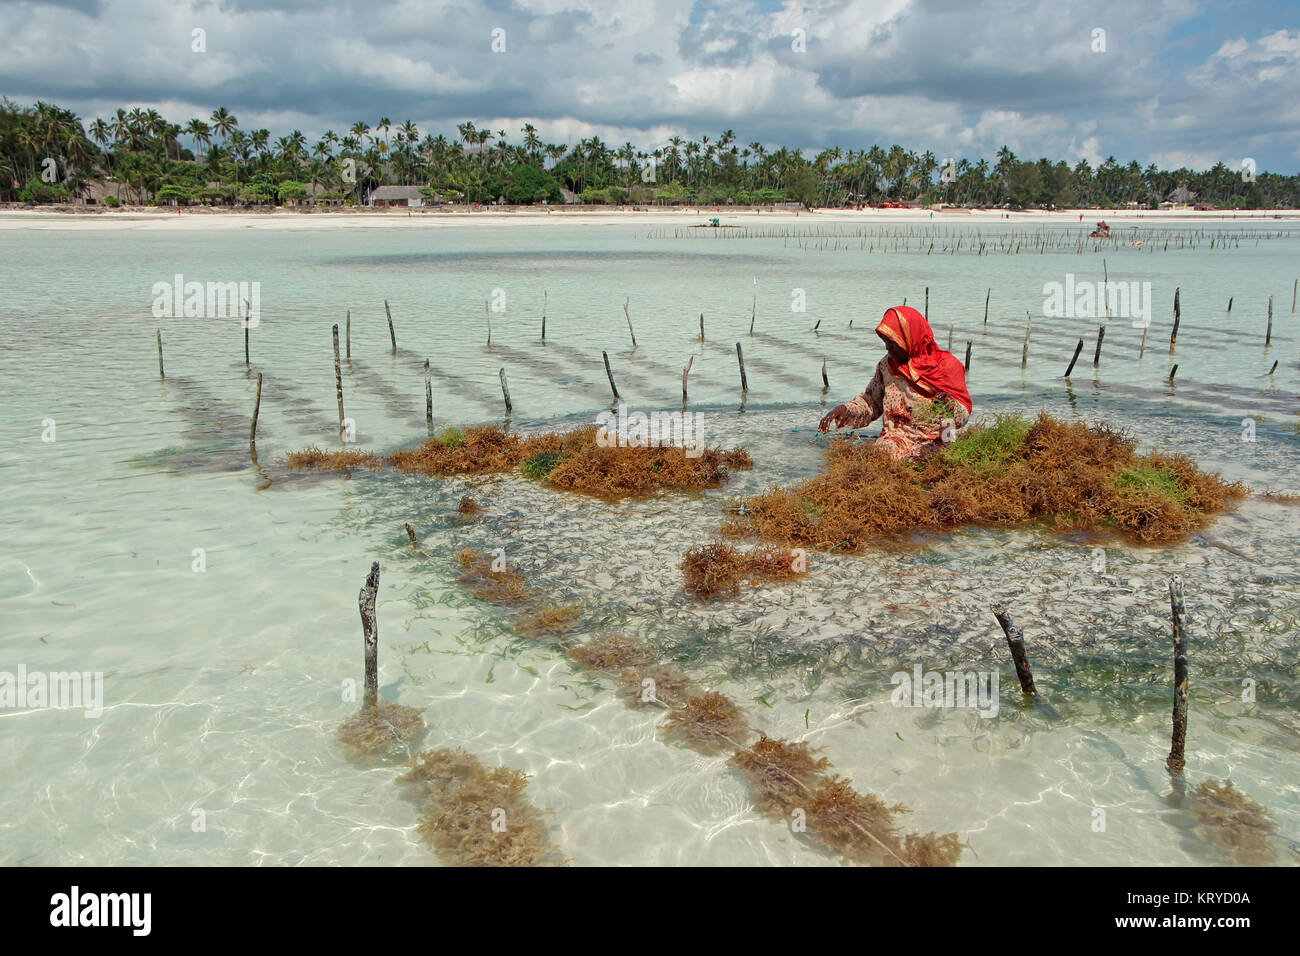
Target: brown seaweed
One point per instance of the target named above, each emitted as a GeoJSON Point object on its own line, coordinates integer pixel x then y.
{"type": "Point", "coordinates": [611, 652]}
{"type": "Point", "coordinates": [475, 816]}
{"type": "Point", "coordinates": [499, 582]}
{"type": "Point", "coordinates": [573, 460]}
{"type": "Point", "coordinates": [716, 570]}
{"type": "Point", "coordinates": [549, 620]}
{"type": "Point", "coordinates": [1233, 822]}
{"type": "Point", "coordinates": [1072, 475]}
{"type": "Point", "coordinates": [386, 730]}
{"type": "Point", "coordinates": [657, 685]}
{"type": "Point", "coordinates": [709, 722]}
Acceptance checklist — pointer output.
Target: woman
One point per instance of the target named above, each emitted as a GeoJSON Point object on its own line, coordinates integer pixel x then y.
{"type": "Point", "coordinates": [918, 388]}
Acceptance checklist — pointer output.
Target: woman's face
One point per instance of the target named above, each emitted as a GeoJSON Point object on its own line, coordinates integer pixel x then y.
{"type": "Point", "coordinates": [896, 351]}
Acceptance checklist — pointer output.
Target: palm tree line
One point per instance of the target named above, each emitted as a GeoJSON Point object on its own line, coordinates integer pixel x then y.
{"type": "Point", "coordinates": [141, 154]}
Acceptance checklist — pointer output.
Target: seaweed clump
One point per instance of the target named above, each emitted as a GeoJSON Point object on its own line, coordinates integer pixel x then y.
{"type": "Point", "coordinates": [715, 570]}
{"type": "Point", "coordinates": [493, 580]}
{"type": "Point", "coordinates": [474, 816]}
{"type": "Point", "coordinates": [1007, 472]}
{"type": "Point", "coordinates": [385, 730]}
{"type": "Point", "coordinates": [789, 778]}
{"type": "Point", "coordinates": [555, 620]}
{"type": "Point", "coordinates": [709, 722]}
{"type": "Point", "coordinates": [575, 460]}
{"type": "Point", "coordinates": [655, 686]}
{"type": "Point", "coordinates": [611, 652]}
{"type": "Point", "coordinates": [1232, 821]}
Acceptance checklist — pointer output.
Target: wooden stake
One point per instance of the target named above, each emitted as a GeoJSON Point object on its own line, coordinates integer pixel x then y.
{"type": "Point", "coordinates": [818, 323]}
{"type": "Point", "coordinates": [1077, 349]}
{"type": "Point", "coordinates": [338, 384]}
{"type": "Point", "coordinates": [740, 357]}
{"type": "Point", "coordinates": [753, 309]}
{"type": "Point", "coordinates": [1294, 287]}
{"type": "Point", "coordinates": [1016, 642]}
{"type": "Point", "coordinates": [1273, 369]}
{"type": "Point", "coordinates": [610, 375]}
{"type": "Point", "coordinates": [370, 633]}
{"type": "Point", "coordinates": [1175, 761]}
{"type": "Point", "coordinates": [505, 391]}
{"type": "Point", "coordinates": [257, 408]}
{"type": "Point", "coordinates": [1143, 346]}
{"type": "Point", "coordinates": [627, 315]}
{"type": "Point", "coordinates": [825, 382]}
{"type": "Point", "coordinates": [701, 326]}
{"type": "Point", "coordinates": [686, 371]}
{"type": "Point", "coordinates": [349, 335]}
{"type": "Point", "coordinates": [160, 361]}
{"type": "Point", "coordinates": [410, 533]}
{"type": "Point", "coordinates": [926, 313]}
{"type": "Point", "coordinates": [950, 338]}
{"type": "Point", "coordinates": [1229, 303]}
{"type": "Point", "coordinates": [1172, 372]}
{"type": "Point", "coordinates": [1178, 315]}
{"type": "Point", "coordinates": [543, 316]}
{"type": "Point", "coordinates": [1096, 356]}
{"type": "Point", "coordinates": [967, 362]}
{"type": "Point", "coordinates": [428, 396]}
{"type": "Point", "coordinates": [1024, 353]}
{"type": "Point", "coordinates": [246, 317]}
{"type": "Point", "coordinates": [1268, 336]}
{"type": "Point", "coordinates": [986, 305]}
{"type": "Point", "coordinates": [392, 334]}
{"type": "Point", "coordinates": [487, 315]}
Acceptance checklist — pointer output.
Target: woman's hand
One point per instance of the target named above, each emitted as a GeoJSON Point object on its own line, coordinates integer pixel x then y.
{"type": "Point", "coordinates": [837, 416]}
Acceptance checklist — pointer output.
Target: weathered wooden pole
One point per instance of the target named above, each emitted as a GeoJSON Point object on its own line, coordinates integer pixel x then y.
{"type": "Point", "coordinates": [925, 313]}
{"type": "Point", "coordinates": [410, 534]}
{"type": "Point", "coordinates": [160, 361]}
{"type": "Point", "coordinates": [1230, 298]}
{"type": "Point", "coordinates": [817, 324]}
{"type": "Point", "coordinates": [1172, 372]}
{"type": "Point", "coordinates": [370, 633]}
{"type": "Point", "coordinates": [986, 305]}
{"type": "Point", "coordinates": [428, 396]}
{"type": "Point", "coordinates": [246, 317]}
{"type": "Point", "coordinates": [338, 384]}
{"type": "Point", "coordinates": [1024, 353]}
{"type": "Point", "coordinates": [1295, 286]}
{"type": "Point", "coordinates": [740, 357]}
{"type": "Point", "coordinates": [825, 382]}
{"type": "Point", "coordinates": [505, 391]}
{"type": "Point", "coordinates": [1274, 368]}
{"type": "Point", "coordinates": [392, 333]}
{"type": "Point", "coordinates": [1178, 315]}
{"type": "Point", "coordinates": [487, 316]}
{"type": "Point", "coordinates": [1077, 349]}
{"type": "Point", "coordinates": [349, 335]}
{"type": "Point", "coordinates": [610, 375]}
{"type": "Point", "coordinates": [701, 326]}
{"type": "Point", "coordinates": [753, 308]}
{"type": "Point", "coordinates": [628, 315]}
{"type": "Point", "coordinates": [966, 364]}
{"type": "Point", "coordinates": [1016, 642]}
{"type": "Point", "coordinates": [1268, 335]}
{"type": "Point", "coordinates": [950, 338]}
{"type": "Point", "coordinates": [257, 408]}
{"type": "Point", "coordinates": [543, 316]}
{"type": "Point", "coordinates": [1142, 347]}
{"type": "Point", "coordinates": [1096, 356]}
{"type": "Point", "coordinates": [686, 371]}
{"type": "Point", "coordinates": [1175, 761]}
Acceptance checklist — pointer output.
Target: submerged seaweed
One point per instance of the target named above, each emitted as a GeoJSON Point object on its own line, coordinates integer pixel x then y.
{"type": "Point", "coordinates": [491, 579]}
{"type": "Point", "coordinates": [549, 620]}
{"type": "Point", "coordinates": [385, 730]}
{"type": "Point", "coordinates": [1077, 476]}
{"type": "Point", "coordinates": [1231, 820]}
{"type": "Point", "coordinates": [714, 570]}
{"type": "Point", "coordinates": [474, 816]}
{"type": "Point", "coordinates": [709, 722]}
{"type": "Point", "coordinates": [611, 652]}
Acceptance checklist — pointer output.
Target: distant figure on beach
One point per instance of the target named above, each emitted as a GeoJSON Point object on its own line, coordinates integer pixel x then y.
{"type": "Point", "coordinates": [919, 390]}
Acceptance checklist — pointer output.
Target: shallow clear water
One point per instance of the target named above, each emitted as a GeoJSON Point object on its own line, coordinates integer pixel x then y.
{"type": "Point", "coordinates": [222, 687]}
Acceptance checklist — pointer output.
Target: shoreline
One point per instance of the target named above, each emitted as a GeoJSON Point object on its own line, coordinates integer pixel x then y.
{"type": "Point", "coordinates": [188, 219]}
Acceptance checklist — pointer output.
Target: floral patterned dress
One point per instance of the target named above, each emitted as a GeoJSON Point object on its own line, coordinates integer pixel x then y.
{"type": "Point", "coordinates": [913, 423]}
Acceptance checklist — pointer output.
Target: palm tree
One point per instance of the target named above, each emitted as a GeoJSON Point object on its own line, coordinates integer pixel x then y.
{"type": "Point", "coordinates": [223, 123]}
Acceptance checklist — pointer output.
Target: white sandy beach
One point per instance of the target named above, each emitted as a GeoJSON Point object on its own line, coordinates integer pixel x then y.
{"type": "Point", "coordinates": [206, 219]}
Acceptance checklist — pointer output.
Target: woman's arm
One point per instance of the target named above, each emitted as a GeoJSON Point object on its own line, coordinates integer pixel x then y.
{"type": "Point", "coordinates": [861, 411]}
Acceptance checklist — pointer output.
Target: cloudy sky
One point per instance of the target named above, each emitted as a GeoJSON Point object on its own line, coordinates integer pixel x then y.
{"type": "Point", "coordinates": [1180, 82]}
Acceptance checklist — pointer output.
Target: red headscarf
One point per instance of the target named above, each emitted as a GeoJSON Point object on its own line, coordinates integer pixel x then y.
{"type": "Point", "coordinates": [929, 368]}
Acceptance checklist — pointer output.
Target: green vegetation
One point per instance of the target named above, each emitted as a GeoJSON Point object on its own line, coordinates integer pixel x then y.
{"type": "Point", "coordinates": [451, 438]}
{"type": "Point", "coordinates": [1139, 478]}
{"type": "Point", "coordinates": [139, 154]}
{"type": "Point", "coordinates": [540, 465]}
{"type": "Point", "coordinates": [989, 447]}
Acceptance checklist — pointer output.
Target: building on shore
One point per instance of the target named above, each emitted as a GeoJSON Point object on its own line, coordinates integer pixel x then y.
{"type": "Point", "coordinates": [395, 196]}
